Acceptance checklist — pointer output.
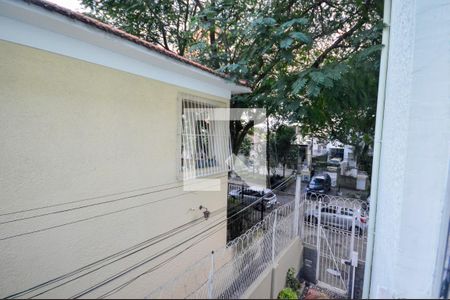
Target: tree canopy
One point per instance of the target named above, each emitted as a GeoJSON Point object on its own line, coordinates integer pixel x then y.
{"type": "Point", "coordinates": [314, 62]}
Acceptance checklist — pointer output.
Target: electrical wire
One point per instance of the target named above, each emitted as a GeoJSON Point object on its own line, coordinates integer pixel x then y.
{"type": "Point", "coordinates": [95, 216]}
{"type": "Point", "coordinates": [147, 260]}
{"type": "Point", "coordinates": [122, 286]}
{"type": "Point", "coordinates": [105, 265]}
{"type": "Point", "coordinates": [88, 205]}
{"type": "Point", "coordinates": [62, 277]}
{"type": "Point", "coordinates": [159, 238]}
{"type": "Point", "coordinates": [81, 200]}
{"type": "Point", "coordinates": [89, 218]}
{"type": "Point", "coordinates": [141, 263]}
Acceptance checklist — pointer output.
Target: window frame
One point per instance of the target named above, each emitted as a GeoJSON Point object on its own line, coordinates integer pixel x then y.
{"type": "Point", "coordinates": [220, 137]}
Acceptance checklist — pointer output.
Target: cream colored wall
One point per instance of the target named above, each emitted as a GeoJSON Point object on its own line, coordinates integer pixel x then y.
{"type": "Point", "coordinates": [72, 130]}
{"type": "Point", "coordinates": [290, 258]}
{"type": "Point", "coordinates": [270, 282]}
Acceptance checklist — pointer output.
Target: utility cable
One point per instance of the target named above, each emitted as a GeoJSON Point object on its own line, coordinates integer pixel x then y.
{"type": "Point", "coordinates": [88, 205]}
{"type": "Point", "coordinates": [158, 238]}
{"type": "Point", "coordinates": [145, 261]}
{"type": "Point", "coordinates": [141, 263]}
{"type": "Point", "coordinates": [93, 217]}
{"type": "Point", "coordinates": [62, 277]}
{"type": "Point", "coordinates": [127, 283]}
{"type": "Point", "coordinates": [81, 200]}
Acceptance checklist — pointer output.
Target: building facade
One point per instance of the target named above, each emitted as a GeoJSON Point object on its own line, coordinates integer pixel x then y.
{"type": "Point", "coordinates": [93, 151]}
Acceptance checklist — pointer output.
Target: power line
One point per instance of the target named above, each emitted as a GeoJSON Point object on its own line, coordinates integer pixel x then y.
{"type": "Point", "coordinates": [117, 289]}
{"type": "Point", "coordinates": [93, 217]}
{"type": "Point", "coordinates": [149, 259]}
{"type": "Point", "coordinates": [139, 264]}
{"type": "Point", "coordinates": [120, 287]}
{"type": "Point", "coordinates": [119, 253]}
{"type": "Point", "coordinates": [118, 259]}
{"type": "Point", "coordinates": [159, 238]}
{"type": "Point", "coordinates": [81, 200]}
{"type": "Point", "coordinates": [94, 198]}
{"type": "Point", "coordinates": [141, 250]}
{"type": "Point", "coordinates": [90, 218]}
{"type": "Point", "coordinates": [91, 205]}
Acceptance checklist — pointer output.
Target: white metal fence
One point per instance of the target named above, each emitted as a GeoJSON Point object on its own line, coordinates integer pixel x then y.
{"type": "Point", "coordinates": [337, 228]}
{"type": "Point", "coordinates": [228, 272]}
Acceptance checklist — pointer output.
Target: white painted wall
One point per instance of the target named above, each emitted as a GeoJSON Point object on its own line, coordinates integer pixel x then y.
{"type": "Point", "coordinates": [414, 153]}
{"type": "Point", "coordinates": [27, 24]}
{"type": "Point", "coordinates": [76, 131]}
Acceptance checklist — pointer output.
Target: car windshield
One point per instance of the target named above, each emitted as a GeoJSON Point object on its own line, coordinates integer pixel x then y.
{"type": "Point", "coordinates": [251, 192]}
{"type": "Point", "coordinates": [317, 181]}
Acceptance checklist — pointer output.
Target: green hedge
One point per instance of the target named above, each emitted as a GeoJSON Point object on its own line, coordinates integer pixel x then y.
{"type": "Point", "coordinates": [287, 293]}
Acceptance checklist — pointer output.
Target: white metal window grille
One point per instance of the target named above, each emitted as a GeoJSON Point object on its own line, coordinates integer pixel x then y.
{"type": "Point", "coordinates": [205, 139]}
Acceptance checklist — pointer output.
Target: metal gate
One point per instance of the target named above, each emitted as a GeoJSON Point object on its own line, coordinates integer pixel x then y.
{"type": "Point", "coordinates": [336, 228]}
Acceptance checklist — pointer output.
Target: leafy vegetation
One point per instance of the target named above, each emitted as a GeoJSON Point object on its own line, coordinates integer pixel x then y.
{"type": "Point", "coordinates": [312, 62]}
{"type": "Point", "coordinates": [291, 280]}
{"type": "Point", "coordinates": [287, 293]}
{"type": "Point", "coordinates": [281, 147]}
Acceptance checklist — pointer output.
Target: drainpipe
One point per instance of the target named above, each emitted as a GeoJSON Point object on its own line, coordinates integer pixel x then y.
{"type": "Point", "coordinates": [377, 148]}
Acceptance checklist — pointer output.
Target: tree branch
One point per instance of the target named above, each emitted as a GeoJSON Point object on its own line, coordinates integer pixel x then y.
{"type": "Point", "coordinates": [336, 43]}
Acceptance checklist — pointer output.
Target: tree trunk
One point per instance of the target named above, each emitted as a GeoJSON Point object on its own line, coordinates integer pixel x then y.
{"type": "Point", "coordinates": [238, 133]}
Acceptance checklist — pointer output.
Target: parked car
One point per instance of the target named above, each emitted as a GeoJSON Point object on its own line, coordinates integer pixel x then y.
{"type": "Point", "coordinates": [336, 161]}
{"type": "Point", "coordinates": [320, 184]}
{"type": "Point", "coordinates": [340, 217]}
{"type": "Point", "coordinates": [251, 194]}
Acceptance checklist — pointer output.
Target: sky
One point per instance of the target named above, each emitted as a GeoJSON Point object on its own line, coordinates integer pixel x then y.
{"type": "Point", "coordinates": [70, 4]}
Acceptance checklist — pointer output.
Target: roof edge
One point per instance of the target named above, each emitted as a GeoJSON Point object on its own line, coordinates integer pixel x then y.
{"type": "Point", "coordinates": [52, 7]}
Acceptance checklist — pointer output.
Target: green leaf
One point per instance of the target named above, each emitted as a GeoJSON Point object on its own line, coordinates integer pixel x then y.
{"type": "Point", "coordinates": [198, 46]}
{"type": "Point", "coordinates": [299, 36]}
{"type": "Point", "coordinates": [317, 76]}
{"type": "Point", "coordinates": [286, 43]}
{"type": "Point", "coordinates": [265, 21]}
{"type": "Point", "coordinates": [298, 85]}
{"type": "Point", "coordinates": [313, 90]}
{"type": "Point", "coordinates": [328, 82]}
{"type": "Point", "coordinates": [288, 24]}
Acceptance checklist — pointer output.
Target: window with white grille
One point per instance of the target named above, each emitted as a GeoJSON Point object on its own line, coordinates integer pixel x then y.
{"type": "Point", "coordinates": [205, 139]}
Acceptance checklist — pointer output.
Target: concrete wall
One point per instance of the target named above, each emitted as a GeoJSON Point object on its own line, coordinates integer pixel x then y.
{"type": "Point", "coordinates": [273, 280]}
{"type": "Point", "coordinates": [73, 130]}
{"type": "Point", "coordinates": [415, 152]}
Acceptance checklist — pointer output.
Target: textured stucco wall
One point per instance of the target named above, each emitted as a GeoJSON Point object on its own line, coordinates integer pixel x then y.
{"type": "Point", "coordinates": [290, 258]}
{"type": "Point", "coordinates": [72, 130]}
{"type": "Point", "coordinates": [270, 282]}
{"type": "Point", "coordinates": [415, 151]}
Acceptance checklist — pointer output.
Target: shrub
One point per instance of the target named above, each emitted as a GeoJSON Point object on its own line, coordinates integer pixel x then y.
{"type": "Point", "coordinates": [291, 280]}
{"type": "Point", "coordinates": [287, 293]}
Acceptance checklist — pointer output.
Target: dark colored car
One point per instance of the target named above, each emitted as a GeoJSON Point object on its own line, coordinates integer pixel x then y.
{"type": "Point", "coordinates": [252, 194]}
{"type": "Point", "coordinates": [320, 184]}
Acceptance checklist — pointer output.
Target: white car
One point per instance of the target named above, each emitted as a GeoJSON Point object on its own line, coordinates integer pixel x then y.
{"type": "Point", "coordinates": [336, 216]}
{"type": "Point", "coordinates": [253, 193]}
{"type": "Point", "coordinates": [335, 161]}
